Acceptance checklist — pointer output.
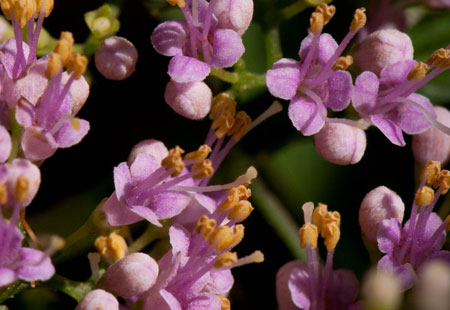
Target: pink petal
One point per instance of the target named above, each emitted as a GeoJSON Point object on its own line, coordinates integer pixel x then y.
{"type": "Point", "coordinates": [5, 144]}
{"type": "Point", "coordinates": [169, 38]}
{"type": "Point", "coordinates": [119, 213]}
{"type": "Point", "coordinates": [389, 235]}
{"type": "Point", "coordinates": [283, 292]}
{"type": "Point", "coordinates": [299, 287]}
{"type": "Point", "coordinates": [365, 93]}
{"type": "Point", "coordinates": [71, 132]}
{"type": "Point", "coordinates": [340, 89]}
{"type": "Point", "coordinates": [410, 119]}
{"type": "Point", "coordinates": [345, 287]}
{"type": "Point", "coordinates": [179, 240]}
{"type": "Point", "coordinates": [326, 49]}
{"type": "Point", "coordinates": [122, 180]}
{"type": "Point", "coordinates": [283, 79]}
{"type": "Point", "coordinates": [147, 214]}
{"type": "Point", "coordinates": [37, 144]}
{"type": "Point", "coordinates": [7, 276]}
{"type": "Point", "coordinates": [227, 48]}
{"type": "Point", "coordinates": [396, 73]}
{"type": "Point", "coordinates": [35, 265]}
{"type": "Point", "coordinates": [391, 130]}
{"type": "Point", "coordinates": [305, 116]}
{"type": "Point", "coordinates": [183, 69]}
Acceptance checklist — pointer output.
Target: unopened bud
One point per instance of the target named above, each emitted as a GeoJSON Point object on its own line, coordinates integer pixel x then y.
{"type": "Point", "coordinates": [381, 290]}
{"type": "Point", "coordinates": [234, 15]}
{"type": "Point", "coordinates": [102, 22]}
{"type": "Point", "coordinates": [98, 300]}
{"type": "Point", "coordinates": [191, 100]}
{"type": "Point", "coordinates": [152, 147]}
{"type": "Point", "coordinates": [379, 204]}
{"type": "Point", "coordinates": [340, 144]}
{"type": "Point", "coordinates": [24, 179]}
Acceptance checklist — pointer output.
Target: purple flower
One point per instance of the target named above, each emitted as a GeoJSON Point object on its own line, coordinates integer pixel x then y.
{"type": "Point", "coordinates": [313, 84]}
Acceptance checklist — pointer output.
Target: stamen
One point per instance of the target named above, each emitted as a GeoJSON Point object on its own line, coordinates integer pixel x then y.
{"type": "Point", "coordinates": [179, 3]}
{"type": "Point", "coordinates": [443, 181]}
{"type": "Point", "coordinates": [64, 46]}
{"type": "Point", "coordinates": [240, 211]}
{"type": "Point", "coordinates": [231, 200]}
{"type": "Point", "coordinates": [318, 215]}
{"type": "Point", "coordinates": [173, 161]}
{"type": "Point", "coordinates": [220, 103]}
{"type": "Point", "coordinates": [316, 22]}
{"type": "Point", "coordinates": [94, 261]}
{"type": "Point", "coordinates": [224, 303]}
{"type": "Point", "coordinates": [221, 238]}
{"type": "Point", "coordinates": [418, 72]}
{"type": "Point", "coordinates": [244, 192]}
{"type": "Point", "coordinates": [204, 169]}
{"type": "Point", "coordinates": [225, 259]}
{"type": "Point", "coordinates": [44, 6]}
{"type": "Point", "coordinates": [308, 208]}
{"type": "Point", "coordinates": [54, 66]}
{"type": "Point", "coordinates": [78, 64]}
{"type": "Point", "coordinates": [238, 235]}
{"type": "Point", "coordinates": [342, 63]}
{"type": "Point", "coordinates": [112, 248]}
{"type": "Point", "coordinates": [327, 11]}
{"type": "Point", "coordinates": [334, 233]}
{"type": "Point", "coordinates": [424, 196]}
{"type": "Point", "coordinates": [241, 123]}
{"type": "Point", "coordinates": [23, 11]}
{"type": "Point", "coordinates": [21, 190]}
{"type": "Point", "coordinates": [359, 20]}
{"type": "Point", "coordinates": [308, 235]}
{"type": "Point", "coordinates": [199, 155]}
{"type": "Point", "coordinates": [274, 108]}
{"type": "Point", "coordinates": [223, 123]}
{"type": "Point", "coordinates": [3, 193]}
{"type": "Point", "coordinates": [440, 58]}
{"type": "Point", "coordinates": [205, 227]}
{"type": "Point", "coordinates": [6, 8]}
{"type": "Point", "coordinates": [75, 123]}
{"type": "Point", "coordinates": [255, 257]}
{"type": "Point", "coordinates": [430, 172]}
{"type": "Point", "coordinates": [330, 218]}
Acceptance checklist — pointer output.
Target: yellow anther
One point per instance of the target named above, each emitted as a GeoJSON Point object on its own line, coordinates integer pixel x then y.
{"type": "Point", "coordinates": [223, 123]}
{"type": "Point", "coordinates": [23, 11]}
{"type": "Point", "coordinates": [359, 20]}
{"type": "Point", "coordinates": [447, 223]}
{"type": "Point", "coordinates": [240, 211]}
{"type": "Point", "coordinates": [319, 214]}
{"type": "Point", "coordinates": [112, 248]}
{"type": "Point", "coordinates": [231, 200]}
{"type": "Point", "coordinates": [316, 22]}
{"type": "Point", "coordinates": [430, 172]}
{"type": "Point", "coordinates": [44, 6]}
{"type": "Point", "coordinates": [173, 161]}
{"type": "Point", "coordinates": [440, 58]}
{"type": "Point", "coordinates": [204, 169]}
{"type": "Point", "coordinates": [54, 65]}
{"type": "Point", "coordinates": [424, 196]}
{"type": "Point", "coordinates": [199, 155]}
{"type": "Point", "coordinates": [333, 237]}
{"type": "Point", "coordinates": [78, 64]}
{"type": "Point", "coordinates": [221, 238]}
{"type": "Point", "coordinates": [226, 259]}
{"type": "Point", "coordinates": [21, 190]}
{"type": "Point", "coordinates": [222, 102]}
{"type": "Point", "coordinates": [224, 303]}
{"type": "Point", "coordinates": [418, 72]}
{"type": "Point", "coordinates": [241, 123]}
{"type": "Point", "coordinates": [308, 235]}
{"type": "Point", "coordinates": [327, 11]}
{"type": "Point", "coordinates": [244, 192]}
{"type": "Point", "coordinates": [75, 123]}
{"type": "Point", "coordinates": [179, 3]}
{"type": "Point", "coordinates": [205, 226]}
{"type": "Point", "coordinates": [343, 62]}
{"type": "Point", "coordinates": [6, 8]}
{"type": "Point", "coordinates": [64, 47]}
{"type": "Point", "coordinates": [330, 218]}
{"type": "Point", "coordinates": [238, 235]}
{"type": "Point", "coordinates": [443, 181]}
{"type": "Point", "coordinates": [3, 193]}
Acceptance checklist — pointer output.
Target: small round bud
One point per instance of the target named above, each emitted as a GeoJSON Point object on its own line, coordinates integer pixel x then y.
{"type": "Point", "coordinates": [381, 290]}
{"type": "Point", "coordinates": [132, 275]}
{"type": "Point", "coordinates": [98, 300]}
{"type": "Point", "coordinates": [116, 58]}
{"type": "Point", "coordinates": [433, 144]}
{"type": "Point", "coordinates": [379, 204]}
{"type": "Point", "coordinates": [382, 48]}
{"type": "Point", "coordinates": [191, 100]}
{"type": "Point", "coordinates": [340, 144]}
{"type": "Point", "coordinates": [152, 147]}
{"type": "Point", "coordinates": [24, 179]}
{"type": "Point", "coordinates": [235, 15]}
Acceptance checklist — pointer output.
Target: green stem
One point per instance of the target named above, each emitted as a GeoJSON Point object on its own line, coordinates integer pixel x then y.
{"type": "Point", "coordinates": [273, 46]}
{"type": "Point", "coordinates": [13, 289]}
{"type": "Point", "coordinates": [16, 132]}
{"type": "Point", "coordinates": [76, 290]}
{"type": "Point", "coordinates": [150, 234]}
{"type": "Point", "coordinates": [224, 75]}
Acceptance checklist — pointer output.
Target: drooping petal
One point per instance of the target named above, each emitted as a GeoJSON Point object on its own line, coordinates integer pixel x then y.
{"type": "Point", "coordinates": [340, 89]}
{"type": "Point", "coordinates": [227, 48]}
{"type": "Point", "coordinates": [344, 287]}
{"type": "Point", "coordinates": [405, 272]}
{"type": "Point", "coordinates": [203, 301]}
{"type": "Point", "coordinates": [299, 287]}
{"type": "Point", "coordinates": [34, 265]}
{"type": "Point", "coordinates": [283, 79]}
{"type": "Point", "coordinates": [119, 213]}
{"type": "Point", "coordinates": [169, 38]}
{"type": "Point", "coordinates": [391, 130]}
{"type": "Point", "coordinates": [389, 235]}
{"type": "Point", "coordinates": [72, 131]}
{"type": "Point", "coordinates": [306, 115]}
{"type": "Point", "coordinates": [7, 276]}
{"type": "Point", "coordinates": [122, 180]}
{"type": "Point", "coordinates": [147, 214]}
{"type": "Point", "coordinates": [410, 119]}
{"type": "Point", "coordinates": [365, 93]}
{"type": "Point", "coordinates": [396, 73]}
{"type": "Point", "coordinates": [37, 144]}
{"type": "Point", "coordinates": [179, 240]}
{"type": "Point", "coordinates": [327, 47]}
{"type": "Point", "coordinates": [184, 69]}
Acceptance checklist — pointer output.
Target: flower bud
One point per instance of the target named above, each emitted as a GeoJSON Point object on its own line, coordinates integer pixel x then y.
{"type": "Point", "coordinates": [132, 275]}
{"type": "Point", "coordinates": [116, 58]}
{"type": "Point", "coordinates": [152, 147]}
{"type": "Point", "coordinates": [433, 144]}
{"type": "Point", "coordinates": [382, 48]}
{"type": "Point", "coordinates": [340, 144]}
{"type": "Point", "coordinates": [102, 22]}
{"type": "Point", "coordinates": [24, 179]}
{"type": "Point", "coordinates": [191, 100]}
{"type": "Point", "coordinates": [234, 15]}
{"type": "Point", "coordinates": [379, 204]}
{"type": "Point", "coordinates": [438, 3]}
{"type": "Point", "coordinates": [381, 290]}
{"type": "Point", "coordinates": [98, 300]}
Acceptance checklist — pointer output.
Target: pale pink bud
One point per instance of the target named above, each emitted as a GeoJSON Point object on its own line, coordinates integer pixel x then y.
{"type": "Point", "coordinates": [5, 144]}
{"type": "Point", "coordinates": [433, 144]}
{"type": "Point", "coordinates": [379, 204]}
{"type": "Point", "coordinates": [433, 286]}
{"type": "Point", "coordinates": [340, 144]}
{"type": "Point", "coordinates": [23, 181]}
{"type": "Point", "coordinates": [383, 48]}
{"type": "Point", "coordinates": [151, 147]}
{"type": "Point", "coordinates": [132, 275]}
{"type": "Point", "coordinates": [116, 58]}
{"type": "Point", "coordinates": [191, 100]}
{"type": "Point", "coordinates": [98, 300]}
{"type": "Point", "coordinates": [234, 14]}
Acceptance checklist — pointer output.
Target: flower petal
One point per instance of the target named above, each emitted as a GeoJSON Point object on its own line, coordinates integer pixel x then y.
{"type": "Point", "coordinates": [179, 240]}
{"type": "Point", "coordinates": [396, 73]}
{"type": "Point", "coordinates": [283, 79]}
{"type": "Point", "coordinates": [389, 235]}
{"type": "Point", "coordinates": [25, 113]}
{"type": "Point", "coordinates": [410, 119]}
{"type": "Point", "coordinates": [171, 301]}
{"type": "Point", "coordinates": [365, 93]}
{"type": "Point", "coordinates": [203, 301]}
{"type": "Point", "coordinates": [183, 69]}
{"type": "Point", "coordinates": [143, 166]}
{"type": "Point", "coordinates": [169, 203]}
{"type": "Point", "coordinates": [221, 282]}
{"type": "Point", "coordinates": [147, 214]}
{"type": "Point", "coordinates": [405, 272]}
{"type": "Point", "coordinates": [5, 144]}
{"type": "Point", "coordinates": [227, 48]}
{"type": "Point", "coordinates": [7, 276]}
{"type": "Point", "coordinates": [391, 130]}
{"type": "Point", "coordinates": [119, 213]}
{"type": "Point", "coordinates": [344, 287]}
{"type": "Point", "coordinates": [71, 132]}
{"type": "Point", "coordinates": [122, 180]}
{"type": "Point", "coordinates": [284, 297]}
{"type": "Point", "coordinates": [340, 89]}
{"type": "Point", "coordinates": [299, 287]}
{"type": "Point", "coordinates": [326, 49]}
{"type": "Point", "coordinates": [34, 265]}
{"type": "Point", "coordinates": [170, 37]}
{"type": "Point", "coordinates": [37, 144]}
{"type": "Point", "coordinates": [305, 115]}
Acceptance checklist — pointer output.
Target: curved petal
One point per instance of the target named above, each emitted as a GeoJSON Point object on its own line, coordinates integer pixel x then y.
{"type": "Point", "coordinates": [433, 223]}
{"type": "Point", "coordinates": [37, 144]}
{"type": "Point", "coordinates": [203, 301]}
{"type": "Point", "coordinates": [147, 214]}
{"type": "Point", "coordinates": [33, 84]}
{"type": "Point", "coordinates": [34, 265]}
{"type": "Point", "coordinates": [199, 205]}
{"type": "Point", "coordinates": [326, 49]}
{"type": "Point", "coordinates": [283, 79]}
{"type": "Point", "coordinates": [169, 38]}
{"type": "Point", "coordinates": [344, 287]}
{"type": "Point", "coordinates": [184, 69]}
{"type": "Point", "coordinates": [143, 166]}
{"type": "Point", "coordinates": [284, 297]}
{"type": "Point", "coordinates": [227, 48]}
{"type": "Point", "coordinates": [410, 119]}
{"type": "Point", "coordinates": [396, 73]}
{"type": "Point", "coordinates": [365, 93]}
{"type": "Point", "coordinates": [389, 235]}
{"type": "Point", "coordinates": [305, 116]}
{"type": "Point", "coordinates": [404, 272]}
{"type": "Point", "coordinates": [119, 213]}
{"type": "Point", "coordinates": [171, 301]}
{"type": "Point", "coordinates": [169, 203]}
{"type": "Point", "coordinates": [122, 180]}
{"type": "Point", "coordinates": [221, 282]}
{"type": "Point", "coordinates": [179, 240]}
{"type": "Point", "coordinates": [25, 113]}
{"type": "Point", "coordinates": [389, 129]}
{"type": "Point", "coordinates": [299, 287]}
{"type": "Point", "coordinates": [340, 89]}
{"type": "Point", "coordinates": [72, 131]}
{"type": "Point", "coordinates": [7, 276]}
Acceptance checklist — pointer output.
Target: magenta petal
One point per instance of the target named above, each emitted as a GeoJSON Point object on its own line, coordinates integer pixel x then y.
{"type": "Point", "coordinates": [35, 265]}
{"type": "Point", "coordinates": [405, 272]}
{"type": "Point", "coordinates": [179, 240]}
{"type": "Point", "coordinates": [227, 48]}
{"type": "Point", "coordinates": [410, 119]}
{"type": "Point", "coordinates": [122, 180]}
{"type": "Point", "coordinates": [5, 144]}
{"type": "Point", "coordinates": [283, 79]}
{"type": "Point", "coordinates": [7, 276]}
{"type": "Point", "coordinates": [305, 116]}
{"type": "Point", "coordinates": [284, 298]}
{"type": "Point", "coordinates": [391, 130]}
{"type": "Point", "coordinates": [173, 303]}
{"type": "Point", "coordinates": [203, 301]}
{"type": "Point", "coordinates": [433, 223]}
{"type": "Point", "coordinates": [169, 203]}
{"type": "Point", "coordinates": [184, 69]}
{"type": "Point", "coordinates": [396, 73]}
{"type": "Point", "coordinates": [326, 49]}
{"type": "Point", "coordinates": [340, 89]}
{"type": "Point", "coordinates": [147, 214]}
{"type": "Point", "coordinates": [119, 213]}
{"type": "Point", "coordinates": [389, 234]}
{"type": "Point", "coordinates": [365, 93]}
{"type": "Point", "coordinates": [37, 144]}
{"type": "Point", "coordinates": [9, 54]}
{"type": "Point", "coordinates": [345, 287]}
{"type": "Point", "coordinates": [169, 38]}
{"type": "Point", "coordinates": [299, 287]}
{"type": "Point", "coordinates": [221, 282]}
{"type": "Point", "coordinates": [71, 132]}
{"type": "Point", "coordinates": [25, 113]}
